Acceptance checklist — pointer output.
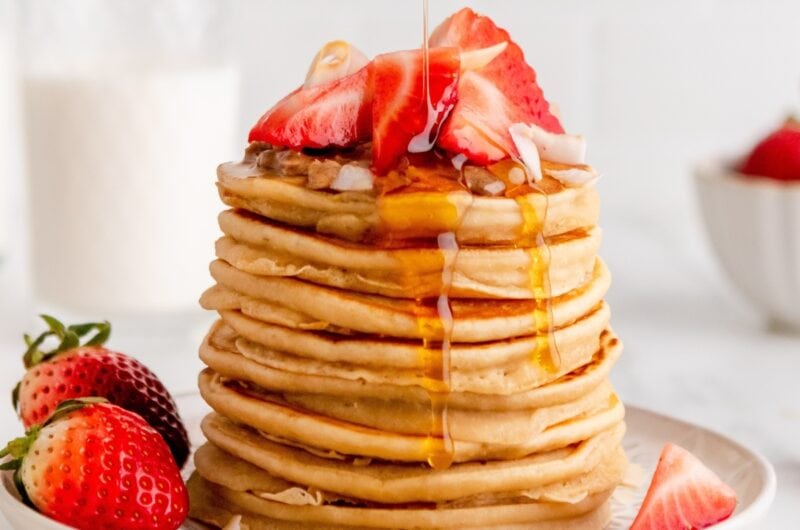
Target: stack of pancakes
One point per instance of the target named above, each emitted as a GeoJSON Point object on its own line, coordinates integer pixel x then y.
{"type": "Point", "coordinates": [418, 356]}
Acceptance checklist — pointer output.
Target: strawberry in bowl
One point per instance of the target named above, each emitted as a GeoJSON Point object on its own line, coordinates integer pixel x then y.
{"type": "Point", "coordinates": [80, 366]}
{"type": "Point", "coordinates": [94, 465]}
{"type": "Point", "coordinates": [751, 211]}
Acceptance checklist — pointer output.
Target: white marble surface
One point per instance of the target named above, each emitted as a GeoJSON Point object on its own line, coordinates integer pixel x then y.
{"type": "Point", "coordinates": [693, 350]}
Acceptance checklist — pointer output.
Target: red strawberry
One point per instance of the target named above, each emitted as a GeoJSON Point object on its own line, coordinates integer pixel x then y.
{"type": "Point", "coordinates": [97, 466]}
{"type": "Point", "coordinates": [684, 494]}
{"type": "Point", "coordinates": [492, 98]}
{"type": "Point", "coordinates": [400, 109]}
{"type": "Point", "coordinates": [72, 371]}
{"type": "Point", "coordinates": [333, 114]}
{"type": "Point", "coordinates": [778, 155]}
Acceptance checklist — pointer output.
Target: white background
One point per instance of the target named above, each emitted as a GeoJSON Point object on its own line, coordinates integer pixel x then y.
{"type": "Point", "coordinates": [655, 87]}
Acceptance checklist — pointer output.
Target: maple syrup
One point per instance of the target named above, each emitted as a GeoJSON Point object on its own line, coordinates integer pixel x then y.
{"type": "Point", "coordinates": [399, 214]}
{"type": "Point", "coordinates": [428, 203]}
{"type": "Point", "coordinates": [545, 354]}
{"type": "Point", "coordinates": [421, 210]}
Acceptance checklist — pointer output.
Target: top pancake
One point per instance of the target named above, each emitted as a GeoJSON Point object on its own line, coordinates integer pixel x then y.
{"type": "Point", "coordinates": [364, 216]}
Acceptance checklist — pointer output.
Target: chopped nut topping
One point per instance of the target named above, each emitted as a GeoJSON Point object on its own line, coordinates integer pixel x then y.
{"type": "Point", "coordinates": [287, 161]}
{"type": "Point", "coordinates": [479, 180]}
{"type": "Point", "coordinates": [321, 173]}
{"type": "Point", "coordinates": [254, 149]}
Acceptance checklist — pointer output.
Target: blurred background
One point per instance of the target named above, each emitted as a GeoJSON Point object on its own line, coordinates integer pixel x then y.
{"type": "Point", "coordinates": [114, 114]}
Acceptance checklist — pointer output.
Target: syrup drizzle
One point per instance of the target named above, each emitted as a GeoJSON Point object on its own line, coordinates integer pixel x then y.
{"type": "Point", "coordinates": [433, 315]}
{"type": "Point", "coordinates": [545, 354]}
{"type": "Point", "coordinates": [401, 216]}
{"type": "Point", "coordinates": [425, 140]}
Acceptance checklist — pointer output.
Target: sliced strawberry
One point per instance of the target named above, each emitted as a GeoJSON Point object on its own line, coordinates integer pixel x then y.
{"type": "Point", "coordinates": [684, 494]}
{"type": "Point", "coordinates": [400, 103]}
{"type": "Point", "coordinates": [492, 98]}
{"type": "Point", "coordinates": [333, 114]}
{"type": "Point", "coordinates": [778, 155]}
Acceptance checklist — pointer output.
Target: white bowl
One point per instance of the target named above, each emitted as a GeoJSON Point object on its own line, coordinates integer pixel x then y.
{"type": "Point", "coordinates": [18, 514]}
{"type": "Point", "coordinates": [754, 227]}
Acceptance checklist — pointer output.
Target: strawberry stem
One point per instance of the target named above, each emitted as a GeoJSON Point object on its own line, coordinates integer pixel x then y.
{"type": "Point", "coordinates": [69, 337]}
{"type": "Point", "coordinates": [18, 448]}
{"type": "Point", "coordinates": [71, 405]}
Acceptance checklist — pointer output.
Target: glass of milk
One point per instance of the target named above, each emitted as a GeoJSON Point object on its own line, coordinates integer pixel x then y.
{"type": "Point", "coordinates": [9, 130]}
{"type": "Point", "coordinates": [128, 108]}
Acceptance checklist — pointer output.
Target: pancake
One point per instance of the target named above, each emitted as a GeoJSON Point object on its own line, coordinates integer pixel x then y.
{"type": "Point", "coordinates": [577, 346]}
{"type": "Point", "coordinates": [305, 339]}
{"type": "Point", "coordinates": [393, 483]}
{"type": "Point", "coordinates": [216, 505]}
{"type": "Point", "coordinates": [473, 320]}
{"type": "Point", "coordinates": [261, 247]}
{"type": "Point", "coordinates": [360, 216]}
{"type": "Point", "coordinates": [219, 352]}
{"type": "Point", "coordinates": [308, 428]}
{"type": "Point", "coordinates": [243, 485]}
{"type": "Point", "coordinates": [224, 469]}
{"type": "Point", "coordinates": [491, 427]}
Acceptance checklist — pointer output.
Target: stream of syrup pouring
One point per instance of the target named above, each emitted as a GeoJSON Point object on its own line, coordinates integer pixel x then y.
{"type": "Point", "coordinates": [434, 315]}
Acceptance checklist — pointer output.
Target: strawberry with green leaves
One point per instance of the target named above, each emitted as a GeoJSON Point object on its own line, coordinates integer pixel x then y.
{"type": "Point", "coordinates": [74, 370]}
{"type": "Point", "coordinates": [94, 465]}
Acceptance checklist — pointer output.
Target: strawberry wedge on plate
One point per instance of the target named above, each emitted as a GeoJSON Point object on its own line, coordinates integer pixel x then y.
{"type": "Point", "coordinates": [492, 98]}
{"type": "Point", "coordinates": [401, 108]}
{"type": "Point", "coordinates": [684, 494]}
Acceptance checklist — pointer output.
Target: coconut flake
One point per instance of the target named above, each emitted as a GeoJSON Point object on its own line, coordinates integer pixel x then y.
{"type": "Point", "coordinates": [574, 176]}
{"type": "Point", "coordinates": [516, 175]}
{"type": "Point", "coordinates": [528, 150]}
{"type": "Point", "coordinates": [562, 148]}
{"type": "Point", "coordinates": [477, 59]}
{"type": "Point", "coordinates": [458, 161]}
{"type": "Point", "coordinates": [352, 177]}
{"type": "Point", "coordinates": [535, 144]}
{"type": "Point", "coordinates": [335, 60]}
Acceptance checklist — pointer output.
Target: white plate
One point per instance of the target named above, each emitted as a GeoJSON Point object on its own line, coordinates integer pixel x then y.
{"type": "Point", "coordinates": [746, 471]}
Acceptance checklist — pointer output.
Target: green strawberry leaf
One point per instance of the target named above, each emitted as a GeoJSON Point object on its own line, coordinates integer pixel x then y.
{"type": "Point", "coordinates": [69, 337]}
{"type": "Point", "coordinates": [71, 405]}
{"type": "Point", "coordinates": [15, 396]}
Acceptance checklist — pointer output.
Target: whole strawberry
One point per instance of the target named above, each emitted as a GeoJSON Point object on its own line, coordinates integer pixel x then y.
{"type": "Point", "coordinates": [73, 370]}
{"type": "Point", "coordinates": [94, 465]}
{"type": "Point", "coordinates": [778, 155]}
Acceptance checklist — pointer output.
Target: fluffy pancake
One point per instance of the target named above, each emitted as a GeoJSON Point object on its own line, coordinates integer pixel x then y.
{"type": "Point", "coordinates": [358, 216]}
{"type": "Point", "coordinates": [256, 245]}
{"type": "Point", "coordinates": [219, 467]}
{"type": "Point", "coordinates": [243, 485]}
{"type": "Point", "coordinates": [308, 428]}
{"type": "Point", "coordinates": [216, 505]}
{"type": "Point", "coordinates": [310, 304]}
{"type": "Point", "coordinates": [491, 427]}
{"type": "Point", "coordinates": [219, 352]}
{"type": "Point", "coordinates": [390, 482]}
